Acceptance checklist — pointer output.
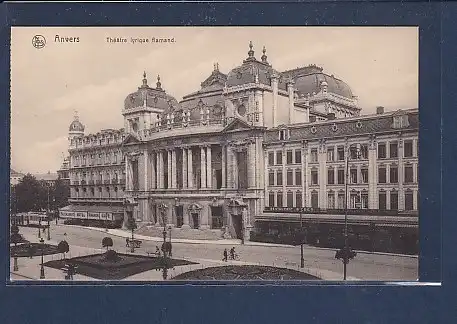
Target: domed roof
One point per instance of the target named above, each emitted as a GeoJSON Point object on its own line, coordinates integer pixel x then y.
{"type": "Point", "coordinates": [152, 97]}
{"type": "Point", "coordinates": [76, 125]}
{"type": "Point", "coordinates": [309, 79]}
{"type": "Point", "coordinates": [252, 71]}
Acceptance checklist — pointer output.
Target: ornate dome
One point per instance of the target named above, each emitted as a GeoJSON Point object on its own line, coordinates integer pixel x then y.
{"type": "Point", "coordinates": [76, 125]}
{"type": "Point", "coordinates": [152, 97]}
{"type": "Point", "coordinates": [310, 78]}
{"type": "Point", "coordinates": [252, 71]}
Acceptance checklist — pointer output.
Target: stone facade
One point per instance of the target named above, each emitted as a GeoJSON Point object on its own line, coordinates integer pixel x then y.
{"type": "Point", "coordinates": [251, 139]}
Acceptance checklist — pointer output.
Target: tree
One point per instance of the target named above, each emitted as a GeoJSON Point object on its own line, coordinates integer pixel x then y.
{"type": "Point", "coordinates": [63, 247]}
{"type": "Point", "coordinates": [107, 242]}
{"type": "Point", "coordinates": [28, 192]}
{"type": "Point", "coordinates": [61, 193]}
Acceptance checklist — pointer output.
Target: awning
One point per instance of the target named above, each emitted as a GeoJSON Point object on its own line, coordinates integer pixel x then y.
{"type": "Point", "coordinates": [92, 209]}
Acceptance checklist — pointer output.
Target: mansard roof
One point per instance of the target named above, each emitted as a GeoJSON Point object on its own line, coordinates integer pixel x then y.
{"type": "Point", "coordinates": [362, 125]}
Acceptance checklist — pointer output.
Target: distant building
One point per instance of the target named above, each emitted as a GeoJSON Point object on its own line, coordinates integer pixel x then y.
{"type": "Point", "coordinates": [15, 177]}
{"type": "Point", "coordinates": [49, 178]}
{"type": "Point", "coordinates": [64, 172]}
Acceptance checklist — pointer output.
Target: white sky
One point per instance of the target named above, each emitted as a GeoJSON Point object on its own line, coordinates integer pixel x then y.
{"type": "Point", "coordinates": [94, 77]}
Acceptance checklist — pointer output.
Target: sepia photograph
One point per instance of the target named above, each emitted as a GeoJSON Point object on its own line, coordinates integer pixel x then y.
{"type": "Point", "coordinates": [214, 154]}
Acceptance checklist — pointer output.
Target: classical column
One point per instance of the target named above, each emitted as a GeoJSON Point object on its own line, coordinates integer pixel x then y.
{"type": "Point", "coordinates": [306, 175]}
{"type": "Point", "coordinates": [234, 168]}
{"type": "Point", "coordinates": [401, 176]}
{"type": "Point", "coordinates": [415, 202]}
{"type": "Point", "coordinates": [190, 173]}
{"type": "Point", "coordinates": [173, 169]}
{"type": "Point", "coordinates": [209, 168]}
{"type": "Point", "coordinates": [229, 168]}
{"type": "Point", "coordinates": [250, 164]}
{"type": "Point", "coordinates": [322, 158]}
{"type": "Point", "coordinates": [161, 171]}
{"type": "Point", "coordinates": [224, 166]}
{"type": "Point", "coordinates": [372, 172]}
{"type": "Point", "coordinates": [185, 217]}
{"type": "Point", "coordinates": [184, 167]}
{"type": "Point", "coordinates": [202, 167]}
{"type": "Point", "coordinates": [169, 168]}
{"type": "Point", "coordinates": [127, 177]}
{"type": "Point", "coordinates": [153, 170]}
{"type": "Point", "coordinates": [146, 173]}
{"type": "Point", "coordinates": [206, 210]}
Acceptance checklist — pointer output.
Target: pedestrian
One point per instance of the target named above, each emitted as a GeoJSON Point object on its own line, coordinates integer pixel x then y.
{"type": "Point", "coordinates": [225, 256]}
{"type": "Point", "coordinates": [127, 242]}
{"type": "Point", "coordinates": [232, 253]}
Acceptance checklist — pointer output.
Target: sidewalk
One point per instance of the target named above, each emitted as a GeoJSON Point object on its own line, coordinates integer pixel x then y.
{"type": "Point", "coordinates": [123, 233]}
{"type": "Point", "coordinates": [29, 269]}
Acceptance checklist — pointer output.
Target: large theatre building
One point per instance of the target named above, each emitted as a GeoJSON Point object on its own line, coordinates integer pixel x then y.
{"type": "Point", "coordinates": [218, 161]}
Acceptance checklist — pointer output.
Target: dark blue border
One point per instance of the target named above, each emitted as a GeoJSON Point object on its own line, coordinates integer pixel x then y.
{"type": "Point", "coordinates": [265, 304]}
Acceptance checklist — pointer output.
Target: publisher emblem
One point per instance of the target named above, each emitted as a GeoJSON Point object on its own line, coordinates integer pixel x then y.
{"type": "Point", "coordinates": [38, 41]}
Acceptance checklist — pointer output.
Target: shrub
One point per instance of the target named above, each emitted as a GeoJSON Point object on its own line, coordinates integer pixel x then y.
{"type": "Point", "coordinates": [63, 247]}
{"type": "Point", "coordinates": [14, 229]}
{"type": "Point", "coordinates": [111, 256]}
{"type": "Point", "coordinates": [107, 242]}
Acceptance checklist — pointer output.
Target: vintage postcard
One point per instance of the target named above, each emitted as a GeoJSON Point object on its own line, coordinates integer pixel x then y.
{"type": "Point", "coordinates": [214, 153]}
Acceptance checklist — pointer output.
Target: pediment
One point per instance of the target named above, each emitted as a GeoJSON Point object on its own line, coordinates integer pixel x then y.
{"type": "Point", "coordinates": [237, 124]}
{"type": "Point", "coordinates": [131, 139]}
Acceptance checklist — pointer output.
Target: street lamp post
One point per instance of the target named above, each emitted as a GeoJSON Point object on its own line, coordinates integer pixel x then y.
{"type": "Point", "coordinates": [42, 260]}
{"type": "Point", "coordinates": [48, 216]}
{"type": "Point", "coordinates": [346, 240]}
{"type": "Point", "coordinates": [15, 266]}
{"type": "Point", "coordinates": [162, 208]}
{"type": "Point", "coordinates": [302, 259]}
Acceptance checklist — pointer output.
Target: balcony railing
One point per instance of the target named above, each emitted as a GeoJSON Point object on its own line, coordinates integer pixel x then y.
{"type": "Point", "coordinates": [98, 182]}
{"type": "Point", "coordinates": [83, 182]}
{"type": "Point", "coordinates": [106, 181]}
{"type": "Point", "coordinates": [91, 182]}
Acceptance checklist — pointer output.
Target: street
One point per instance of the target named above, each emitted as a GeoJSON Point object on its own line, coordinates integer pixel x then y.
{"type": "Point", "coordinates": [365, 266]}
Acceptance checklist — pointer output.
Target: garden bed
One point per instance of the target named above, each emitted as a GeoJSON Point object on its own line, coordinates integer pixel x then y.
{"type": "Point", "coordinates": [23, 250]}
{"type": "Point", "coordinates": [245, 272]}
{"type": "Point", "coordinates": [98, 267]}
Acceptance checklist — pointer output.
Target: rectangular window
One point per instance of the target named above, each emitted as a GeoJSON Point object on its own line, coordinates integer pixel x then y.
{"type": "Point", "coordinates": [382, 175]}
{"type": "Point", "coordinates": [271, 199]}
{"type": "Point", "coordinates": [394, 200]}
{"type": "Point", "coordinates": [340, 200]}
{"type": "Point", "coordinates": [393, 174]}
{"type": "Point", "coordinates": [279, 178]}
{"type": "Point", "coordinates": [331, 201]}
{"type": "Point", "coordinates": [298, 200]}
{"type": "Point", "coordinates": [364, 173]}
{"type": "Point", "coordinates": [409, 200]}
{"type": "Point", "coordinates": [340, 176]}
{"type": "Point", "coordinates": [298, 181]}
{"type": "Point", "coordinates": [408, 149]}
{"type": "Point", "coordinates": [279, 199]}
{"type": "Point", "coordinates": [382, 200]}
{"type": "Point", "coordinates": [115, 158]}
{"type": "Point", "coordinates": [314, 177]}
{"type": "Point", "coordinates": [314, 155]}
{"type": "Point", "coordinates": [290, 177]}
{"type": "Point", "coordinates": [314, 200]}
{"type": "Point", "coordinates": [330, 154]}
{"type": "Point", "coordinates": [340, 153]}
{"type": "Point", "coordinates": [364, 200]}
{"type": "Point", "coordinates": [393, 150]}
{"type": "Point", "coordinates": [408, 174]}
{"type": "Point", "coordinates": [354, 153]}
{"type": "Point", "coordinates": [297, 156]}
{"type": "Point", "coordinates": [330, 176]}
{"type": "Point", "coordinates": [271, 178]}
{"type": "Point", "coordinates": [353, 175]}
{"type": "Point", "coordinates": [364, 151]}
{"type": "Point", "coordinates": [278, 157]}
{"type": "Point", "coordinates": [381, 150]}
{"type": "Point", "coordinates": [271, 158]}
{"type": "Point", "coordinates": [290, 199]}
{"type": "Point", "coordinates": [289, 157]}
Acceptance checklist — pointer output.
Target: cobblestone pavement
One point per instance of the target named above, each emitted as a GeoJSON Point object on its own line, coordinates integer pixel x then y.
{"type": "Point", "coordinates": [365, 266]}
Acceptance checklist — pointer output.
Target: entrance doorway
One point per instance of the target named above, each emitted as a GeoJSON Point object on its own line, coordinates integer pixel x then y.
{"type": "Point", "coordinates": [195, 221]}
{"type": "Point", "coordinates": [237, 221]}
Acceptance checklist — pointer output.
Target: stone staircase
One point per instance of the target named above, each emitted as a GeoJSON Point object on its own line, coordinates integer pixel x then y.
{"type": "Point", "coordinates": [181, 233]}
